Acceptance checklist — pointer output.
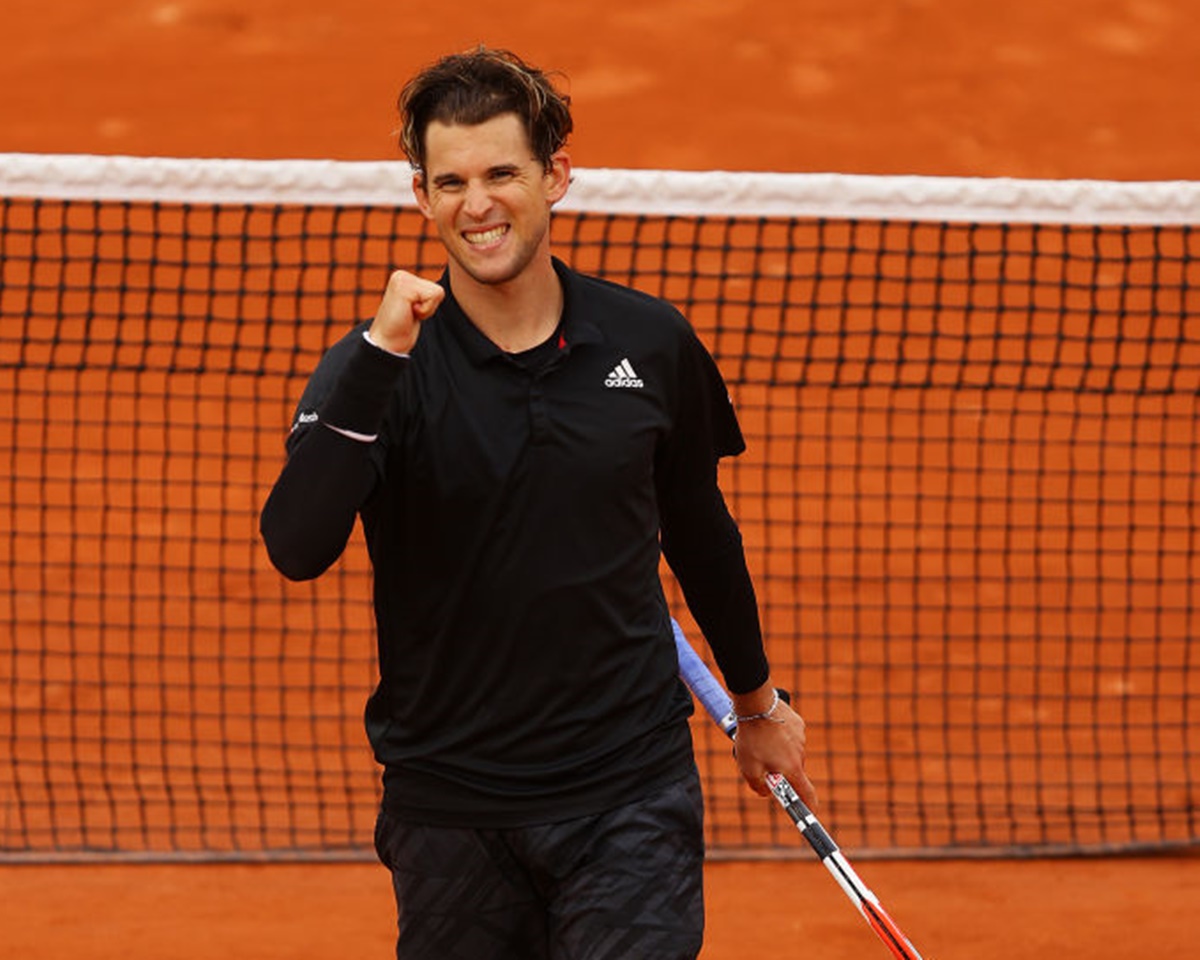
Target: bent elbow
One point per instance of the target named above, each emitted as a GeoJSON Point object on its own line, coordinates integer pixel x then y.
{"type": "Point", "coordinates": [294, 567]}
{"type": "Point", "coordinates": [291, 548]}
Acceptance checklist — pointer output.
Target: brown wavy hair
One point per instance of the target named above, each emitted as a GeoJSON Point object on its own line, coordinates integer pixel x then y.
{"type": "Point", "coordinates": [473, 87]}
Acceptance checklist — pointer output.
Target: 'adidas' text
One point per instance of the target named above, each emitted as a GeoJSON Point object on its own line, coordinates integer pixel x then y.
{"type": "Point", "coordinates": [623, 376]}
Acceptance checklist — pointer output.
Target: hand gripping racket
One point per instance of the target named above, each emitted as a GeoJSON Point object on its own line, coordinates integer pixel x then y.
{"type": "Point", "coordinates": [716, 702]}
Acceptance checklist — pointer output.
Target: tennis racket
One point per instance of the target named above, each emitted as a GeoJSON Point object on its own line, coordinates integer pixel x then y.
{"type": "Point", "coordinates": [716, 702]}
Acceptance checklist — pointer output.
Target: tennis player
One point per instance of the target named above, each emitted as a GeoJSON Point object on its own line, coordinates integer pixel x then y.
{"type": "Point", "coordinates": [520, 441]}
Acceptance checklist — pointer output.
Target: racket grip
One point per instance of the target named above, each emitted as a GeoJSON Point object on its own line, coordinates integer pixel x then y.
{"type": "Point", "coordinates": [703, 684]}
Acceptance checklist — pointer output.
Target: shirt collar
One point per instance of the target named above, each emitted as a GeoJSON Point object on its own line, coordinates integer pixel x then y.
{"type": "Point", "coordinates": [578, 326]}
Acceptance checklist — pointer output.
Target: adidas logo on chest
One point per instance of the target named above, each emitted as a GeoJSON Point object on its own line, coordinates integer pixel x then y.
{"type": "Point", "coordinates": [623, 375]}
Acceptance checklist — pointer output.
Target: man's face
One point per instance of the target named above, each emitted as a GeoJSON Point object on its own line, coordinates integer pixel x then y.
{"type": "Point", "coordinates": [489, 197]}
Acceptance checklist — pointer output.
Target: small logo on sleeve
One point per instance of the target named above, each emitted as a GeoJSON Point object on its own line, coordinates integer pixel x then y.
{"type": "Point", "coordinates": [308, 416]}
{"type": "Point", "coordinates": [623, 375]}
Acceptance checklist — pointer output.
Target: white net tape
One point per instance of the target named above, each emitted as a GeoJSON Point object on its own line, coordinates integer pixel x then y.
{"type": "Point", "coordinates": [638, 192]}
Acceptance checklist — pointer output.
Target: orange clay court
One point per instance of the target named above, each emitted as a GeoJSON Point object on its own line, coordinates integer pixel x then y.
{"type": "Point", "coordinates": [1068, 90]}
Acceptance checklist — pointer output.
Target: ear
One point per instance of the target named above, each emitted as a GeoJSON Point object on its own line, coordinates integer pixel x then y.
{"type": "Point", "coordinates": [558, 176]}
{"type": "Point", "coordinates": [418, 189]}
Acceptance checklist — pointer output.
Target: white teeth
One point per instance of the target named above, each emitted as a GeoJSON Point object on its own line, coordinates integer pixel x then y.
{"type": "Point", "coordinates": [485, 236]}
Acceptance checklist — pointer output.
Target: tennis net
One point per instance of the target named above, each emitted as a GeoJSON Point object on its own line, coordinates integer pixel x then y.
{"type": "Point", "coordinates": [969, 499]}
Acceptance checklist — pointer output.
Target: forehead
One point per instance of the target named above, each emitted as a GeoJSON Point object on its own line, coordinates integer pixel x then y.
{"type": "Point", "coordinates": [457, 147]}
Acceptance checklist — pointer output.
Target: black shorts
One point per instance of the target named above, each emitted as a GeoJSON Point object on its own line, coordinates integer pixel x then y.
{"type": "Point", "coordinates": [626, 884]}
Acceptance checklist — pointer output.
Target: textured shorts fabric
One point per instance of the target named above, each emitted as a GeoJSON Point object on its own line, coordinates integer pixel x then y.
{"type": "Point", "coordinates": [626, 884]}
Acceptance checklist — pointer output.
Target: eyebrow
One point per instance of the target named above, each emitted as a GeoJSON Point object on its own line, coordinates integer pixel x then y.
{"type": "Point", "coordinates": [449, 177]}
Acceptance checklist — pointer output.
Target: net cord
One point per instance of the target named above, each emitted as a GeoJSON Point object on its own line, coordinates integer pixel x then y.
{"type": "Point", "coordinates": [615, 191]}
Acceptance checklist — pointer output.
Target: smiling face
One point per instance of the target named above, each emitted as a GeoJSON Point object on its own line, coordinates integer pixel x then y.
{"type": "Point", "coordinates": [489, 197]}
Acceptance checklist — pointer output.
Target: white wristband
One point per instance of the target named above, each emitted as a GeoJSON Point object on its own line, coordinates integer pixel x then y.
{"type": "Point", "coordinates": [394, 353]}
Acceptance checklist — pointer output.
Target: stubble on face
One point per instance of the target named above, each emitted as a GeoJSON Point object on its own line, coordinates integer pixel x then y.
{"type": "Point", "coordinates": [488, 197]}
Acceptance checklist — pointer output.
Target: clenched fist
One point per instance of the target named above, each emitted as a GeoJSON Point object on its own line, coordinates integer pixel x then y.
{"type": "Point", "coordinates": [408, 300]}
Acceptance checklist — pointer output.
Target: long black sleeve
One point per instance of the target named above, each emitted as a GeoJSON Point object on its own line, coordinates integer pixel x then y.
{"type": "Point", "coordinates": [703, 547]}
{"type": "Point", "coordinates": [310, 512]}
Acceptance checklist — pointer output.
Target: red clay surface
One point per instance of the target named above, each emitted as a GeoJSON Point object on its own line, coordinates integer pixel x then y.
{"type": "Point", "coordinates": [1115, 909]}
{"type": "Point", "coordinates": [1074, 88]}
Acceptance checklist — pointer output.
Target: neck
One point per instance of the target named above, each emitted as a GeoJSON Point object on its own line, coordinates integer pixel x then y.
{"type": "Point", "coordinates": [515, 315]}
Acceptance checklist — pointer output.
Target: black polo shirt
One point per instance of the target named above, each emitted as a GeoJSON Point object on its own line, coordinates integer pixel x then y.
{"type": "Point", "coordinates": [511, 507]}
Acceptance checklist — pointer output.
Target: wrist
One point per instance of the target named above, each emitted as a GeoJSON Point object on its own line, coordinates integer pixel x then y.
{"type": "Point", "coordinates": [758, 705]}
{"type": "Point", "coordinates": [374, 339]}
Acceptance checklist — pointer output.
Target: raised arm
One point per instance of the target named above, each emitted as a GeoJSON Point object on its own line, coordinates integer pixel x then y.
{"type": "Point", "coordinates": [333, 460]}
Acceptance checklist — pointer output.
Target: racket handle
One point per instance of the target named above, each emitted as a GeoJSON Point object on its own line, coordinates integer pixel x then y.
{"type": "Point", "coordinates": [703, 684]}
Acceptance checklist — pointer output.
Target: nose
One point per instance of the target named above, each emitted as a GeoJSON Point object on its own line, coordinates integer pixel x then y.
{"type": "Point", "coordinates": [476, 200]}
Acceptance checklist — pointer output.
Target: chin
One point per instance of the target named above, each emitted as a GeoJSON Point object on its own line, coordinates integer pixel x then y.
{"type": "Point", "coordinates": [492, 273]}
